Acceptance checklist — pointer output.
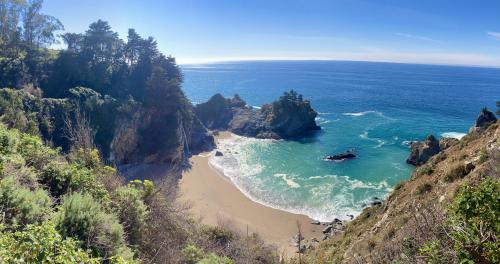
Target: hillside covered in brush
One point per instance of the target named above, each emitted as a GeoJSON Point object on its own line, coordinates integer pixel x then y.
{"type": "Point", "coordinates": [447, 212]}
{"type": "Point", "coordinates": [72, 208]}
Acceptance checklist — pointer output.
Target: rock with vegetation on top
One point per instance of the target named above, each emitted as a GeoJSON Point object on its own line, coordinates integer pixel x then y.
{"type": "Point", "coordinates": [485, 118]}
{"type": "Point", "coordinates": [288, 117]}
{"type": "Point", "coordinates": [423, 151]}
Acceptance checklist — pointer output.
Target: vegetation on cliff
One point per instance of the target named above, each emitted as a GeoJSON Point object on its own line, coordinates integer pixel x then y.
{"type": "Point", "coordinates": [74, 209]}
{"type": "Point", "coordinates": [128, 81]}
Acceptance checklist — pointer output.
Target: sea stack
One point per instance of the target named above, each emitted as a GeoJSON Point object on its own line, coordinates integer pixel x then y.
{"type": "Point", "coordinates": [288, 117]}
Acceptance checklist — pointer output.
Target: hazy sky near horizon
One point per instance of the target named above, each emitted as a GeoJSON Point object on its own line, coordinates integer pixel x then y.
{"type": "Point", "coordinates": [462, 32]}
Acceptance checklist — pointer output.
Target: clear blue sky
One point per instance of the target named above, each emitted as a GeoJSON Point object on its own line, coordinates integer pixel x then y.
{"type": "Point", "coordinates": [464, 32]}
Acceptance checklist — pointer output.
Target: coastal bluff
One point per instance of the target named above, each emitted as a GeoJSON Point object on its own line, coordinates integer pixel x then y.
{"type": "Point", "coordinates": [288, 117]}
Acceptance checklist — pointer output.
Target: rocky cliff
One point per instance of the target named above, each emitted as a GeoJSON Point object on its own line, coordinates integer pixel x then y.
{"type": "Point", "coordinates": [288, 117]}
{"type": "Point", "coordinates": [151, 136]}
{"type": "Point", "coordinates": [125, 132]}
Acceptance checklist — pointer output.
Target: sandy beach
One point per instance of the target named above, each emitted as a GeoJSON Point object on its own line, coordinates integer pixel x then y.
{"type": "Point", "coordinates": [215, 200]}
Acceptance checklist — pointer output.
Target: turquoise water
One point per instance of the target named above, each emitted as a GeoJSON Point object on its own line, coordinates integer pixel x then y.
{"type": "Point", "coordinates": [376, 108]}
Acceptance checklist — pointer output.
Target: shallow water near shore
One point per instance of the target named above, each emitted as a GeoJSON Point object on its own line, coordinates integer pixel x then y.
{"type": "Point", "coordinates": [375, 108]}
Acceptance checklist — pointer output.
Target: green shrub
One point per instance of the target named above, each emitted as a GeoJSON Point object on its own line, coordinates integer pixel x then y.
{"type": "Point", "coordinates": [21, 206]}
{"type": "Point", "coordinates": [217, 234]}
{"type": "Point", "coordinates": [34, 151]}
{"type": "Point", "coordinates": [474, 220]}
{"type": "Point", "coordinates": [131, 211]}
{"type": "Point", "coordinates": [86, 158]}
{"type": "Point", "coordinates": [40, 244]}
{"type": "Point", "coordinates": [409, 247]}
{"type": "Point", "coordinates": [62, 178]}
{"type": "Point", "coordinates": [431, 252]}
{"type": "Point", "coordinates": [191, 254]}
{"type": "Point", "coordinates": [81, 217]}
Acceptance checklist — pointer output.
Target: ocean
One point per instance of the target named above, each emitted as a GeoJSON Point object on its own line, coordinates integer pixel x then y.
{"type": "Point", "coordinates": [375, 108]}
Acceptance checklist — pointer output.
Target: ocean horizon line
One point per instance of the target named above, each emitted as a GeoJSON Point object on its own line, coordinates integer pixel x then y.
{"type": "Point", "coordinates": [250, 60]}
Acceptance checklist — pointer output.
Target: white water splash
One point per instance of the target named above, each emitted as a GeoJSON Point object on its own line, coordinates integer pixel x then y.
{"type": "Point", "coordinates": [456, 135]}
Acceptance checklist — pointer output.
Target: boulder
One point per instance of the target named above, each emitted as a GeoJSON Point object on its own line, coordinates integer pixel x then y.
{"type": "Point", "coordinates": [327, 229]}
{"type": "Point", "coordinates": [485, 118]}
{"type": "Point", "coordinates": [315, 222]}
{"type": "Point", "coordinates": [421, 152]}
{"type": "Point", "coordinates": [218, 154]}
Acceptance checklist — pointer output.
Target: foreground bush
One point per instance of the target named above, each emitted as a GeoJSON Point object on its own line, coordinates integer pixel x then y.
{"type": "Point", "coordinates": [40, 244]}
{"type": "Point", "coordinates": [21, 206]}
{"type": "Point", "coordinates": [475, 222]}
{"type": "Point", "coordinates": [81, 217]}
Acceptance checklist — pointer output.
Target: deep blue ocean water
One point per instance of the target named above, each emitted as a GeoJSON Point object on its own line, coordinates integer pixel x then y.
{"type": "Point", "coordinates": [376, 108]}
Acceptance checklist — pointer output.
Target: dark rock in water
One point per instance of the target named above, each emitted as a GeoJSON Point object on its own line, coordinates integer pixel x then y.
{"type": "Point", "coordinates": [218, 154]}
{"type": "Point", "coordinates": [342, 156]}
{"type": "Point", "coordinates": [485, 118]}
{"type": "Point", "coordinates": [288, 117]}
{"type": "Point", "coordinates": [316, 222]}
{"type": "Point", "coordinates": [350, 216]}
{"type": "Point", "coordinates": [421, 152]}
{"type": "Point", "coordinates": [337, 221]}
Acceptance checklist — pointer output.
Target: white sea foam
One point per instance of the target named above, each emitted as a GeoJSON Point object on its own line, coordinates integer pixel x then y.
{"type": "Point", "coordinates": [290, 182]}
{"type": "Point", "coordinates": [407, 142]}
{"type": "Point", "coordinates": [362, 113]}
{"type": "Point", "coordinates": [333, 197]}
{"type": "Point", "coordinates": [380, 142]}
{"type": "Point", "coordinates": [456, 135]}
{"type": "Point", "coordinates": [358, 114]}
{"type": "Point", "coordinates": [323, 121]}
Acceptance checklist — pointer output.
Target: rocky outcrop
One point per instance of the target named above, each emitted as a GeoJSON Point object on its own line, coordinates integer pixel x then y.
{"type": "Point", "coordinates": [485, 118]}
{"type": "Point", "coordinates": [421, 152]}
{"type": "Point", "coordinates": [216, 113]}
{"type": "Point", "coordinates": [286, 118]}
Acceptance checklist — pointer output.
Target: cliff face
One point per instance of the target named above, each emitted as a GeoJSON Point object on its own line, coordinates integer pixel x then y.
{"type": "Point", "coordinates": [286, 118]}
{"type": "Point", "coordinates": [125, 132]}
{"type": "Point", "coordinates": [413, 224]}
{"type": "Point", "coordinates": [151, 136]}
